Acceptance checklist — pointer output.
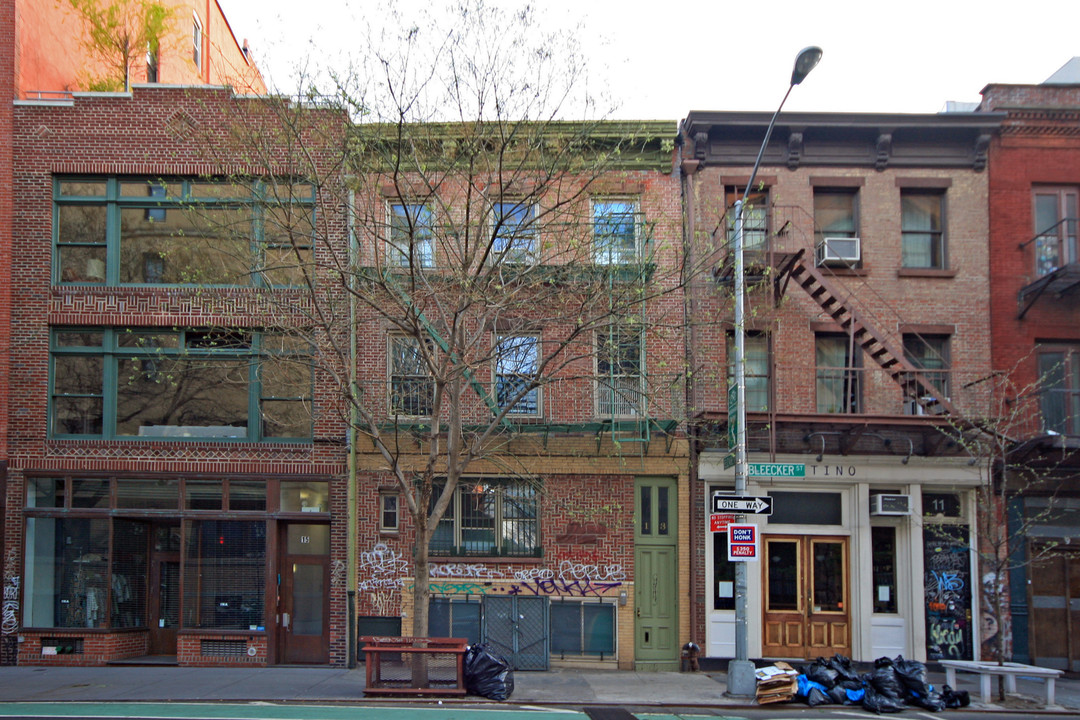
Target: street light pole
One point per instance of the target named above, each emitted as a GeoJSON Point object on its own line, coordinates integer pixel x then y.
{"type": "Point", "coordinates": [741, 681]}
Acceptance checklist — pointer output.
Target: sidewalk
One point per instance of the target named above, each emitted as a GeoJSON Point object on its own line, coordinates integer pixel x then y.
{"type": "Point", "coordinates": [561, 687]}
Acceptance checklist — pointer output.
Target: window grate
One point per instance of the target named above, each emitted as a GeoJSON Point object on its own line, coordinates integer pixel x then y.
{"type": "Point", "coordinates": [63, 645]}
{"type": "Point", "coordinates": [223, 648]}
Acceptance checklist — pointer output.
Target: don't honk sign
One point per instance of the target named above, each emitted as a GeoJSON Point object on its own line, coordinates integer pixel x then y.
{"type": "Point", "coordinates": [742, 543]}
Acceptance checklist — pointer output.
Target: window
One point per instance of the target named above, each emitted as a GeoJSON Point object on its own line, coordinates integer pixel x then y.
{"type": "Point", "coordinates": [755, 370]}
{"type": "Point", "coordinates": [411, 241]}
{"type": "Point", "coordinates": [224, 574]}
{"type": "Point", "coordinates": [196, 41]}
{"type": "Point", "coordinates": [151, 61]}
{"type": "Point", "coordinates": [883, 542]}
{"type": "Point", "coordinates": [930, 353]}
{"type": "Point", "coordinates": [615, 231]}
{"type": "Point", "coordinates": [723, 574]}
{"type": "Point", "coordinates": [517, 361]}
{"type": "Point", "coordinates": [490, 517]}
{"type": "Point", "coordinates": [388, 513]}
{"type": "Point", "coordinates": [514, 231]}
{"type": "Point", "coordinates": [1056, 221]}
{"type": "Point", "coordinates": [412, 390]}
{"type": "Point", "coordinates": [182, 232]}
{"type": "Point", "coordinates": [755, 219]}
{"type": "Point", "coordinates": [921, 229]}
{"type": "Point", "coordinates": [183, 385]}
{"type": "Point", "coordinates": [1059, 378]}
{"type": "Point", "coordinates": [582, 628]}
{"type": "Point", "coordinates": [838, 374]}
{"type": "Point", "coordinates": [836, 226]}
{"type": "Point", "coordinates": [619, 370]}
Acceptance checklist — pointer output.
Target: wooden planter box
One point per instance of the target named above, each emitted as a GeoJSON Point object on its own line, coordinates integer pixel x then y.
{"type": "Point", "coordinates": [414, 666]}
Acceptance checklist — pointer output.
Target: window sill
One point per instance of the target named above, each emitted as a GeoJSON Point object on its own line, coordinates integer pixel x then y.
{"type": "Point", "coordinates": [925, 273]}
{"type": "Point", "coordinates": [846, 271]}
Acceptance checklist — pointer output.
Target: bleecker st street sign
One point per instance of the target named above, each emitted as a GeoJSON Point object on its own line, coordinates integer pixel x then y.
{"type": "Point", "coordinates": [742, 504]}
{"type": "Point", "coordinates": [776, 470]}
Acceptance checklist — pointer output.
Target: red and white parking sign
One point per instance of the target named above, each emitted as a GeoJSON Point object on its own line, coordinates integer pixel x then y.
{"type": "Point", "coordinates": [742, 543]}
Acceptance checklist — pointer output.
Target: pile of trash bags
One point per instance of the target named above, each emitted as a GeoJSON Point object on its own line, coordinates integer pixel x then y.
{"type": "Point", "coordinates": [893, 685]}
{"type": "Point", "coordinates": [487, 673]}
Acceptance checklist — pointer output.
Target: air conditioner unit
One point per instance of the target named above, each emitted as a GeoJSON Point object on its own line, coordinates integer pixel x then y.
{"type": "Point", "coordinates": [883, 504]}
{"type": "Point", "coordinates": [844, 250]}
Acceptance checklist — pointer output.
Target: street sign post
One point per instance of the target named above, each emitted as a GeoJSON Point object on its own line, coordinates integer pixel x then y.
{"type": "Point", "coordinates": [742, 504]}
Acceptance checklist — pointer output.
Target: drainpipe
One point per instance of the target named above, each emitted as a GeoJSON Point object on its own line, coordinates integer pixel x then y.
{"type": "Point", "coordinates": [351, 490]}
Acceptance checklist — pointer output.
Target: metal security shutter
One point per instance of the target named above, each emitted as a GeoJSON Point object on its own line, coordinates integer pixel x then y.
{"type": "Point", "coordinates": [516, 628]}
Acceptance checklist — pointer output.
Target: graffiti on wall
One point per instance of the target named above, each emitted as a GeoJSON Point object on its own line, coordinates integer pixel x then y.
{"type": "Point", "coordinates": [464, 570]}
{"type": "Point", "coordinates": [10, 609]}
{"type": "Point", "coordinates": [382, 567]}
{"type": "Point", "coordinates": [992, 590]}
{"type": "Point", "coordinates": [337, 573]}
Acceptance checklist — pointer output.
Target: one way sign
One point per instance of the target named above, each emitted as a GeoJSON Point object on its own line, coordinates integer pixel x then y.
{"type": "Point", "coordinates": [742, 504]}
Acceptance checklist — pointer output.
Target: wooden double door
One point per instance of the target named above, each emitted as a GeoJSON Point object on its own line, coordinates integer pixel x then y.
{"type": "Point", "coordinates": [806, 589]}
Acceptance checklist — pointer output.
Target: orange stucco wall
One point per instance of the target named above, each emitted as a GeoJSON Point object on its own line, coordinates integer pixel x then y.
{"type": "Point", "coordinates": [50, 55]}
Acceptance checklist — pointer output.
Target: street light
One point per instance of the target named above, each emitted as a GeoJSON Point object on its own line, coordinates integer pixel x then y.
{"type": "Point", "coordinates": [740, 677]}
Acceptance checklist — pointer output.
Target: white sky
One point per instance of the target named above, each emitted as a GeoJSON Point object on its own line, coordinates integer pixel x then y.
{"type": "Point", "coordinates": [661, 60]}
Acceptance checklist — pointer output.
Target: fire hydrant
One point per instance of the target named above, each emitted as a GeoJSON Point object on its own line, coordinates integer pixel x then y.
{"type": "Point", "coordinates": [690, 652]}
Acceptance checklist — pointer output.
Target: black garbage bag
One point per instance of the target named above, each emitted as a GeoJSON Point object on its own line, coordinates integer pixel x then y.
{"type": "Point", "coordinates": [487, 674]}
{"type": "Point", "coordinates": [912, 674]}
{"type": "Point", "coordinates": [841, 664]}
{"type": "Point", "coordinates": [885, 681]}
{"type": "Point", "coordinates": [816, 697]}
{"type": "Point", "coordinates": [820, 672]}
{"type": "Point", "coordinates": [878, 703]}
{"type": "Point", "coordinates": [954, 699]}
{"type": "Point", "coordinates": [839, 695]}
{"type": "Point", "coordinates": [932, 701]}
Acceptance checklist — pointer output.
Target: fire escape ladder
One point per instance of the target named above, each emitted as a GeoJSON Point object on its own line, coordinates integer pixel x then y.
{"type": "Point", "coordinates": [916, 386]}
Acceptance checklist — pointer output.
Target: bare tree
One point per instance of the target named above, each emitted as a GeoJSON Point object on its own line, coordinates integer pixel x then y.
{"type": "Point", "coordinates": [463, 267]}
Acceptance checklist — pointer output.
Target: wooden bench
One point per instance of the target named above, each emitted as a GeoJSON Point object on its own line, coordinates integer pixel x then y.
{"type": "Point", "coordinates": [1010, 670]}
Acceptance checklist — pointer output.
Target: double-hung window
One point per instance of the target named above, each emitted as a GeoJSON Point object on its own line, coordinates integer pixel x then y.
{"type": "Point", "coordinates": [620, 371]}
{"type": "Point", "coordinates": [411, 239]}
{"type": "Point", "coordinates": [1059, 389]}
{"type": "Point", "coordinates": [177, 231]}
{"type": "Point", "coordinates": [836, 226]}
{"type": "Point", "coordinates": [838, 374]}
{"type": "Point", "coordinates": [930, 354]}
{"type": "Point", "coordinates": [179, 385]}
{"type": "Point", "coordinates": [755, 218]}
{"type": "Point", "coordinates": [513, 232]}
{"type": "Point", "coordinates": [755, 370]}
{"type": "Point", "coordinates": [1056, 222]}
{"type": "Point", "coordinates": [922, 229]}
{"type": "Point", "coordinates": [412, 390]}
{"type": "Point", "coordinates": [490, 517]}
{"type": "Point", "coordinates": [196, 41]}
{"type": "Point", "coordinates": [517, 361]}
{"type": "Point", "coordinates": [615, 231]}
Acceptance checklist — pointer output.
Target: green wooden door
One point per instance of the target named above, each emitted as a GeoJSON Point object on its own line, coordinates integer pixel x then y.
{"type": "Point", "coordinates": [656, 608]}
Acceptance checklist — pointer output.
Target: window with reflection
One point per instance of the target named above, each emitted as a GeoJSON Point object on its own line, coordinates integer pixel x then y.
{"type": "Point", "coordinates": [490, 517]}
{"type": "Point", "coordinates": [181, 231]}
{"type": "Point", "coordinates": [179, 384]}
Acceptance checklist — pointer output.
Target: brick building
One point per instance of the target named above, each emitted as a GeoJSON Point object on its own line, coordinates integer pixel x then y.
{"type": "Point", "coordinates": [573, 276]}
{"type": "Point", "coordinates": [868, 333]}
{"type": "Point", "coordinates": [176, 476]}
{"type": "Point", "coordinates": [1034, 173]}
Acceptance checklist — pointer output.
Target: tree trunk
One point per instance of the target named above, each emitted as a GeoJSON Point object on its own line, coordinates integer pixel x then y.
{"type": "Point", "coordinates": [421, 601]}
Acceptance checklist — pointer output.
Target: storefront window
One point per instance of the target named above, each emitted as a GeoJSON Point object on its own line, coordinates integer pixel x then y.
{"type": "Point", "coordinates": [723, 574]}
{"type": "Point", "coordinates": [225, 574]}
{"type": "Point", "coordinates": [883, 541]}
{"type": "Point", "coordinates": [66, 572]}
